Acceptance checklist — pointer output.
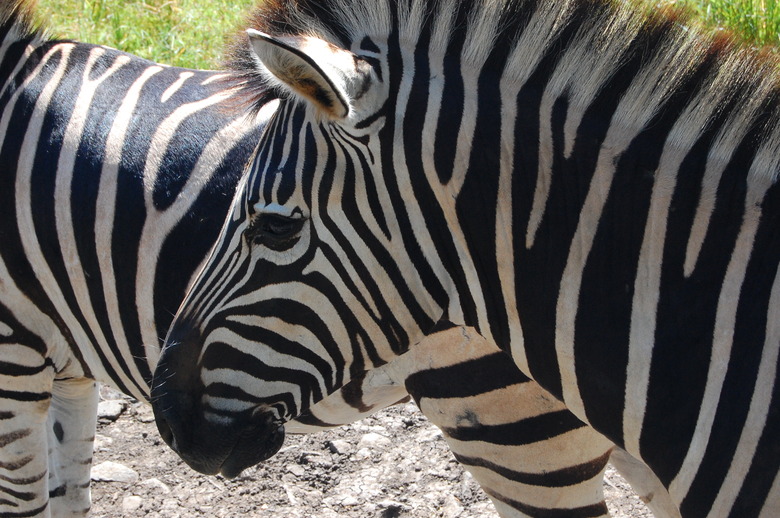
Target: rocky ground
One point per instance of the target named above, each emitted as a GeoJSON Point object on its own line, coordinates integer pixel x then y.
{"type": "Point", "coordinates": [392, 465]}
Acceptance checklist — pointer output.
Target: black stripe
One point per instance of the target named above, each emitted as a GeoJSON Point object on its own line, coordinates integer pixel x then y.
{"type": "Point", "coordinates": [587, 511]}
{"type": "Point", "coordinates": [24, 395]}
{"type": "Point", "coordinates": [527, 431]}
{"type": "Point", "coordinates": [465, 379]}
{"type": "Point", "coordinates": [686, 317]}
{"type": "Point", "coordinates": [8, 438]}
{"type": "Point", "coordinates": [557, 478]}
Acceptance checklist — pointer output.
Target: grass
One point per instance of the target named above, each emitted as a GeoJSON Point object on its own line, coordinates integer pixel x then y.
{"type": "Point", "coordinates": [191, 33]}
{"type": "Point", "coordinates": [755, 21]}
{"type": "Point", "coordinates": [187, 33]}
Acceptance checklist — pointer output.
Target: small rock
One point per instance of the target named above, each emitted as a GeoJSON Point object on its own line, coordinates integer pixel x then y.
{"type": "Point", "coordinates": [156, 484]}
{"type": "Point", "coordinates": [349, 501]}
{"type": "Point", "coordinates": [110, 410]}
{"type": "Point", "coordinates": [107, 393]}
{"type": "Point", "coordinates": [432, 434]}
{"type": "Point", "coordinates": [373, 440]}
{"type": "Point", "coordinates": [131, 503]}
{"type": "Point", "coordinates": [114, 472]}
{"type": "Point", "coordinates": [101, 442]}
{"type": "Point", "coordinates": [362, 454]}
{"type": "Point", "coordinates": [339, 446]}
{"type": "Point", "coordinates": [451, 508]}
{"type": "Point", "coordinates": [297, 470]}
{"type": "Point", "coordinates": [144, 414]}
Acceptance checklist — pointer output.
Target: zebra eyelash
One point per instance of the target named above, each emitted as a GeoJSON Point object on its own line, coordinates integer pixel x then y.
{"type": "Point", "coordinates": [274, 231]}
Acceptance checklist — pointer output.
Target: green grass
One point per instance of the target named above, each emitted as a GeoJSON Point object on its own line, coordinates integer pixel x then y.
{"type": "Point", "coordinates": [757, 22]}
{"type": "Point", "coordinates": [187, 33]}
{"type": "Point", "coordinates": [192, 33]}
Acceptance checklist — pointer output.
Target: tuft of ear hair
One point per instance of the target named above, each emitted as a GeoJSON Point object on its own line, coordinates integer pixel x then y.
{"type": "Point", "coordinates": [327, 76]}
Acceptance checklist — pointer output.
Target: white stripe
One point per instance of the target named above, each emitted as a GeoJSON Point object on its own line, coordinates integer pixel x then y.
{"type": "Point", "coordinates": [505, 239]}
{"type": "Point", "coordinates": [159, 224]}
{"type": "Point", "coordinates": [105, 213]}
{"type": "Point", "coordinates": [722, 341]}
{"type": "Point", "coordinates": [176, 86]}
{"type": "Point", "coordinates": [641, 101]}
{"type": "Point", "coordinates": [759, 408]}
{"type": "Point", "coordinates": [59, 351]}
{"type": "Point", "coordinates": [65, 225]}
{"type": "Point", "coordinates": [647, 285]}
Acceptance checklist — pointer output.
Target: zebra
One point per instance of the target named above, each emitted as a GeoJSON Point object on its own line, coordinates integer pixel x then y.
{"type": "Point", "coordinates": [589, 184]}
{"type": "Point", "coordinates": [117, 174]}
{"type": "Point", "coordinates": [549, 461]}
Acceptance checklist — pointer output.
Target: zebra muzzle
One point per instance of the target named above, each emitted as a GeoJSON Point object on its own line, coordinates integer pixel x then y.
{"type": "Point", "coordinates": [226, 446]}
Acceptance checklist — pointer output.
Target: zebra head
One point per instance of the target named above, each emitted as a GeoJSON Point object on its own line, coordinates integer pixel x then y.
{"type": "Point", "coordinates": [318, 274]}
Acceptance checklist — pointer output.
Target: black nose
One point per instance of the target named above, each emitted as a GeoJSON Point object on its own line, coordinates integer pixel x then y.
{"type": "Point", "coordinates": [211, 441]}
{"type": "Point", "coordinates": [173, 411]}
{"type": "Point", "coordinates": [175, 387]}
{"type": "Point", "coordinates": [228, 446]}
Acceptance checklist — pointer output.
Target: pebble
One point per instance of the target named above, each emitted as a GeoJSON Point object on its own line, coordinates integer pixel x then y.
{"type": "Point", "coordinates": [114, 472]}
{"type": "Point", "coordinates": [131, 503]}
{"type": "Point", "coordinates": [102, 443]}
{"type": "Point", "coordinates": [373, 440]}
{"type": "Point", "coordinates": [451, 507]}
{"type": "Point", "coordinates": [297, 470]}
{"type": "Point", "coordinates": [363, 454]}
{"type": "Point", "coordinates": [349, 501]}
{"type": "Point", "coordinates": [144, 414]}
{"type": "Point", "coordinates": [111, 409]}
{"type": "Point", "coordinates": [339, 446]}
{"type": "Point", "coordinates": [156, 483]}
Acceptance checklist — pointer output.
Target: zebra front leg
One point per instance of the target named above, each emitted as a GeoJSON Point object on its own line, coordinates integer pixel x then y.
{"type": "Point", "coordinates": [26, 393]}
{"type": "Point", "coordinates": [530, 455]}
{"type": "Point", "coordinates": [72, 419]}
{"type": "Point", "coordinates": [646, 484]}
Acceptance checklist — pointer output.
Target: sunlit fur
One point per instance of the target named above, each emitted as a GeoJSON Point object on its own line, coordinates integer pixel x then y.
{"type": "Point", "coordinates": [108, 162]}
{"type": "Point", "coordinates": [48, 441]}
{"type": "Point", "coordinates": [590, 185]}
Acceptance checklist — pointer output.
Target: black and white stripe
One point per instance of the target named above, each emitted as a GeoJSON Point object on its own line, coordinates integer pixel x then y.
{"type": "Point", "coordinates": [115, 176]}
{"type": "Point", "coordinates": [118, 173]}
{"type": "Point", "coordinates": [592, 187]}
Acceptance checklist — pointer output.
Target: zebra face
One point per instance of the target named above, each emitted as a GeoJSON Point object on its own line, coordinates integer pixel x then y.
{"type": "Point", "coordinates": [311, 282]}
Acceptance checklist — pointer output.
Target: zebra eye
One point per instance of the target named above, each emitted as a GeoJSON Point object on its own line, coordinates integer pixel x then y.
{"type": "Point", "coordinates": [274, 231]}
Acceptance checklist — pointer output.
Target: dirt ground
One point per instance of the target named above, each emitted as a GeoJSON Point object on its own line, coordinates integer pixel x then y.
{"type": "Point", "coordinates": [391, 465]}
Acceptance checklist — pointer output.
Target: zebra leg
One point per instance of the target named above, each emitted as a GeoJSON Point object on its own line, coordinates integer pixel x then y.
{"type": "Point", "coordinates": [529, 454]}
{"type": "Point", "coordinates": [71, 426]}
{"type": "Point", "coordinates": [23, 437]}
{"type": "Point", "coordinates": [645, 483]}
{"type": "Point", "coordinates": [361, 397]}
{"type": "Point", "coordinates": [528, 462]}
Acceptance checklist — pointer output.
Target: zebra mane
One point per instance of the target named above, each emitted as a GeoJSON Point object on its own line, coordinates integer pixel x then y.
{"type": "Point", "coordinates": [17, 19]}
{"type": "Point", "coordinates": [594, 39]}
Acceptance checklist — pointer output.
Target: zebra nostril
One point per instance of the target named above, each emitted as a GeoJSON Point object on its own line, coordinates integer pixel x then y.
{"type": "Point", "coordinates": [165, 431]}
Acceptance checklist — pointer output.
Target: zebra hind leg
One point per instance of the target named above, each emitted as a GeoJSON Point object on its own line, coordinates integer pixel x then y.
{"type": "Point", "coordinates": [72, 419]}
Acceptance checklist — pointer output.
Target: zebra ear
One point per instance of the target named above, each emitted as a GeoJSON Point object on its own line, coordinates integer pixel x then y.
{"type": "Point", "coordinates": [329, 77]}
